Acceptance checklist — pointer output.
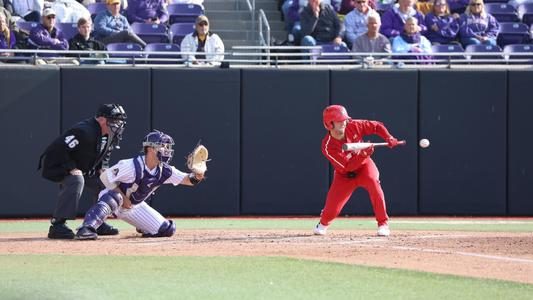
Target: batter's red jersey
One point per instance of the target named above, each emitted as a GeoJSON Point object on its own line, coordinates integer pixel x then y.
{"type": "Point", "coordinates": [348, 161]}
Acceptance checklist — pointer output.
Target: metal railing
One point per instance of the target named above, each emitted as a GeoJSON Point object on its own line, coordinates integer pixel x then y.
{"type": "Point", "coordinates": [262, 40]}
{"type": "Point", "coordinates": [251, 8]}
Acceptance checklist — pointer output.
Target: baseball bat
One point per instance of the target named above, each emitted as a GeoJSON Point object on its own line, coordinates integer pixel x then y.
{"type": "Point", "coordinates": [361, 146]}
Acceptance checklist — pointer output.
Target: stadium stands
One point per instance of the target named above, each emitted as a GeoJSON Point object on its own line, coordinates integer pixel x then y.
{"type": "Point", "coordinates": [151, 33]}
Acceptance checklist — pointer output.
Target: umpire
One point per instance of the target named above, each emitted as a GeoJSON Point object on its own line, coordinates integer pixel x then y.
{"type": "Point", "coordinates": [75, 160]}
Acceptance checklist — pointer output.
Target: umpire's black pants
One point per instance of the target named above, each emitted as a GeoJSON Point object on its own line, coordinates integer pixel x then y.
{"type": "Point", "coordinates": [70, 190]}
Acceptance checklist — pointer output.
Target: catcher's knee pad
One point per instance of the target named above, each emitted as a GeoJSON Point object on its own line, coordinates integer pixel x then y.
{"type": "Point", "coordinates": [113, 199]}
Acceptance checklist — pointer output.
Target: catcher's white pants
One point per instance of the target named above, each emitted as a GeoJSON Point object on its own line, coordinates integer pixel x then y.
{"type": "Point", "coordinates": [142, 216]}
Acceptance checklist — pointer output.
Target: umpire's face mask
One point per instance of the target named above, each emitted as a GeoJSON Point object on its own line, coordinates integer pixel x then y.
{"type": "Point", "coordinates": [116, 128]}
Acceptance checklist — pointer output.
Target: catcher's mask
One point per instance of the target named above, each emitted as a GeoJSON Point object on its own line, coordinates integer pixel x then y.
{"type": "Point", "coordinates": [162, 143]}
{"type": "Point", "coordinates": [335, 113]}
{"type": "Point", "coordinates": [115, 120]}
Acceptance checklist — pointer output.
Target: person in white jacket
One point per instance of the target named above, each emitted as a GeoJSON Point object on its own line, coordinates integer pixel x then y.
{"type": "Point", "coordinates": [207, 46]}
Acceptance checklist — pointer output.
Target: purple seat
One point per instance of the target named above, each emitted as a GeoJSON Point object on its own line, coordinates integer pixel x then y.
{"type": "Point", "coordinates": [381, 8]}
{"type": "Point", "coordinates": [332, 48]}
{"type": "Point", "coordinates": [184, 13]}
{"type": "Point", "coordinates": [162, 47]}
{"type": "Point", "coordinates": [470, 49]}
{"type": "Point", "coordinates": [96, 8]}
{"type": "Point", "coordinates": [513, 33]}
{"type": "Point", "coordinates": [124, 47]}
{"type": "Point", "coordinates": [69, 30]}
{"type": "Point", "coordinates": [503, 12]}
{"type": "Point", "coordinates": [448, 49]}
{"type": "Point", "coordinates": [179, 30]}
{"type": "Point", "coordinates": [519, 48]}
{"type": "Point", "coordinates": [525, 13]}
{"type": "Point", "coordinates": [26, 26]}
{"type": "Point", "coordinates": [151, 33]}
{"type": "Point", "coordinates": [495, 1]}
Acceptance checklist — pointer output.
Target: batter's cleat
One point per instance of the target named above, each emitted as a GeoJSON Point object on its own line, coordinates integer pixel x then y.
{"type": "Point", "coordinates": [383, 230]}
{"type": "Point", "coordinates": [320, 229]}
{"type": "Point", "coordinates": [86, 233]}
{"type": "Point", "coordinates": [106, 229]}
{"type": "Point", "coordinates": [60, 232]}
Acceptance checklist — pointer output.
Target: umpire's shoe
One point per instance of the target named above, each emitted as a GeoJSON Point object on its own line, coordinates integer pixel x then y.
{"type": "Point", "coordinates": [106, 229]}
{"type": "Point", "coordinates": [60, 232]}
{"type": "Point", "coordinates": [86, 233]}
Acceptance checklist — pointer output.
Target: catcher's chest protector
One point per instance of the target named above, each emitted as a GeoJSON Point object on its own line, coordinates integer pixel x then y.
{"type": "Point", "coordinates": [145, 183]}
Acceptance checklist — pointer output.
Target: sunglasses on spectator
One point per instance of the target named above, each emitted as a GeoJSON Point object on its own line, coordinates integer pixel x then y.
{"type": "Point", "coordinates": [50, 17]}
{"type": "Point", "coordinates": [202, 24]}
{"type": "Point", "coordinates": [476, 4]}
{"type": "Point", "coordinates": [360, 2]}
{"type": "Point", "coordinates": [440, 4]}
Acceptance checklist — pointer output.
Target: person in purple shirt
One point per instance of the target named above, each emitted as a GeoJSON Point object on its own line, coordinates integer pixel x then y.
{"type": "Point", "coordinates": [46, 35]}
{"type": "Point", "coordinates": [393, 20]}
{"type": "Point", "coordinates": [147, 11]}
{"type": "Point", "coordinates": [442, 27]}
{"type": "Point", "coordinates": [477, 26]}
{"type": "Point", "coordinates": [7, 37]}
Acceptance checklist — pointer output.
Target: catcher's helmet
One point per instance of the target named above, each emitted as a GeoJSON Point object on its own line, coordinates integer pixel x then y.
{"type": "Point", "coordinates": [335, 113]}
{"type": "Point", "coordinates": [162, 143]}
{"type": "Point", "coordinates": [116, 118]}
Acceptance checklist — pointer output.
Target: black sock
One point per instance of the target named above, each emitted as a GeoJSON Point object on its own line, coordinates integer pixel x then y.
{"type": "Point", "coordinates": [58, 221]}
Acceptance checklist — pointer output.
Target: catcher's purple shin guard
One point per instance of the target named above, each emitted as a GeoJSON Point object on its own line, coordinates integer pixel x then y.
{"type": "Point", "coordinates": [167, 229]}
{"type": "Point", "coordinates": [105, 206]}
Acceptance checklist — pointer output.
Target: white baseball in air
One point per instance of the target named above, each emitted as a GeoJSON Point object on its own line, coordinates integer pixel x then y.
{"type": "Point", "coordinates": [424, 143]}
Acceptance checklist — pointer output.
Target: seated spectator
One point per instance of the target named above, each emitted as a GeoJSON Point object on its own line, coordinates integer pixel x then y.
{"type": "Point", "coordinates": [372, 41]}
{"type": "Point", "coordinates": [112, 27]}
{"type": "Point", "coordinates": [457, 6]}
{"type": "Point", "coordinates": [46, 35]}
{"type": "Point", "coordinates": [147, 11]}
{"type": "Point", "coordinates": [69, 11]}
{"type": "Point", "coordinates": [7, 37]}
{"type": "Point", "coordinates": [208, 46]}
{"type": "Point", "coordinates": [347, 6]}
{"type": "Point", "coordinates": [442, 27]}
{"type": "Point", "coordinates": [393, 20]}
{"type": "Point", "coordinates": [320, 24]}
{"type": "Point", "coordinates": [84, 42]}
{"type": "Point", "coordinates": [355, 22]}
{"type": "Point", "coordinates": [291, 10]}
{"type": "Point", "coordinates": [411, 41]}
{"type": "Point", "coordinates": [477, 26]}
{"type": "Point", "coordinates": [28, 10]}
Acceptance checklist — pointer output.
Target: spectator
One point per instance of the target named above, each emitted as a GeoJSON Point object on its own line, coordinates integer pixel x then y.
{"type": "Point", "coordinates": [7, 37]}
{"type": "Point", "coordinates": [347, 6]}
{"type": "Point", "coordinates": [410, 40]}
{"type": "Point", "coordinates": [320, 24]}
{"type": "Point", "coordinates": [394, 19]}
{"type": "Point", "coordinates": [147, 11]}
{"type": "Point", "coordinates": [69, 11]}
{"type": "Point", "coordinates": [112, 27]}
{"type": "Point", "coordinates": [372, 41]}
{"type": "Point", "coordinates": [84, 42]}
{"type": "Point", "coordinates": [477, 26]}
{"type": "Point", "coordinates": [46, 35]}
{"type": "Point", "coordinates": [29, 10]}
{"type": "Point", "coordinates": [442, 27]}
{"type": "Point", "coordinates": [355, 22]}
{"type": "Point", "coordinates": [208, 46]}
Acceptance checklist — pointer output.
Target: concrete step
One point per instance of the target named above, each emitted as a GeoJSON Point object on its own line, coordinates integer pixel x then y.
{"type": "Point", "coordinates": [240, 25]}
{"type": "Point", "coordinates": [240, 15]}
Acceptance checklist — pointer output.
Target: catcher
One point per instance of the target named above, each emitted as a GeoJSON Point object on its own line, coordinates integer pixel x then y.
{"type": "Point", "coordinates": [131, 181]}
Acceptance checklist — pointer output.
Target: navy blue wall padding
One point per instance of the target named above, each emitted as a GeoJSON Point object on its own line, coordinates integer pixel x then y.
{"type": "Point", "coordinates": [520, 144]}
{"type": "Point", "coordinates": [200, 104]}
{"type": "Point", "coordinates": [389, 97]}
{"type": "Point", "coordinates": [84, 89]}
{"type": "Point", "coordinates": [283, 170]}
{"type": "Point", "coordinates": [29, 115]}
{"type": "Point", "coordinates": [463, 172]}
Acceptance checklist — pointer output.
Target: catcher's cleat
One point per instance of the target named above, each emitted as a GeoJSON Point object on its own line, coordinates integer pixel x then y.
{"type": "Point", "coordinates": [106, 229]}
{"type": "Point", "coordinates": [320, 229]}
{"type": "Point", "coordinates": [383, 230]}
{"type": "Point", "coordinates": [86, 233]}
{"type": "Point", "coordinates": [60, 232]}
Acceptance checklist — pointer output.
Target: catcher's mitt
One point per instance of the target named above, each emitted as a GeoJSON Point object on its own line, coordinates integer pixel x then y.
{"type": "Point", "coordinates": [196, 160]}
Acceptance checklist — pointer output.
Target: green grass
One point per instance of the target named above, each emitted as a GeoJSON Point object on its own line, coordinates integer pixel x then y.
{"type": "Point", "coordinates": [148, 277]}
{"type": "Point", "coordinates": [446, 224]}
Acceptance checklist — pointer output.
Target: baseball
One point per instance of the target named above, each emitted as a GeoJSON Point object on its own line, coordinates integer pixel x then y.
{"type": "Point", "coordinates": [424, 143]}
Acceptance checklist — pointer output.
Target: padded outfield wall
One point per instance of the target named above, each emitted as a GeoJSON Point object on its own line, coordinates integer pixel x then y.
{"type": "Point", "coordinates": [264, 130]}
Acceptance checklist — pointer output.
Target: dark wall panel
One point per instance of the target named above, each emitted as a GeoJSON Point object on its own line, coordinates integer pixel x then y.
{"type": "Point", "coordinates": [200, 104]}
{"type": "Point", "coordinates": [520, 160]}
{"type": "Point", "coordinates": [364, 96]}
{"type": "Point", "coordinates": [29, 115]}
{"type": "Point", "coordinates": [84, 89]}
{"type": "Point", "coordinates": [283, 171]}
{"type": "Point", "coordinates": [464, 170]}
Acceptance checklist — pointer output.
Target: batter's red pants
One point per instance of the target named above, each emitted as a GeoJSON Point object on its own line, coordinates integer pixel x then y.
{"type": "Point", "coordinates": [342, 188]}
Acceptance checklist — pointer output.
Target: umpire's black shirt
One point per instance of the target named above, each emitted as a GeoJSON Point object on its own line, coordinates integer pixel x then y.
{"type": "Point", "coordinates": [81, 147]}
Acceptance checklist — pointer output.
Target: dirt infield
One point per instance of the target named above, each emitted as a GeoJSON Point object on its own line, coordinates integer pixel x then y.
{"type": "Point", "coordinates": [507, 256]}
